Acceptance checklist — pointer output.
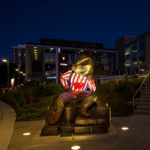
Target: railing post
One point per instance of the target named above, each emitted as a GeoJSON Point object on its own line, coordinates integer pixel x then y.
{"type": "Point", "coordinates": [133, 104]}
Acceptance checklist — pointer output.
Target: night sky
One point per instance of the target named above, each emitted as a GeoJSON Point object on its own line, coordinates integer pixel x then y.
{"type": "Point", "coordinates": [103, 21]}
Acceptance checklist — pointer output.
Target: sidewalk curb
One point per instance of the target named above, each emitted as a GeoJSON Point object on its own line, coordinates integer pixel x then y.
{"type": "Point", "coordinates": [7, 122]}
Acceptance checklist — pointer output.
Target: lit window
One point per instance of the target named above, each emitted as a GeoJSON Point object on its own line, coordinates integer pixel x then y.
{"type": "Point", "coordinates": [127, 51]}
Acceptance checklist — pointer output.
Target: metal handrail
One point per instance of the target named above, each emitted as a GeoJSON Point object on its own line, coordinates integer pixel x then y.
{"type": "Point", "coordinates": [139, 89]}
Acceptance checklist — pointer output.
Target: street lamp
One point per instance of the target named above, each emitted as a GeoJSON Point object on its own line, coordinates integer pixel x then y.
{"type": "Point", "coordinates": [7, 62]}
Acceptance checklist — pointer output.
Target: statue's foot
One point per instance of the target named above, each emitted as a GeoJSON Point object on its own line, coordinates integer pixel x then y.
{"type": "Point", "coordinates": [52, 119]}
{"type": "Point", "coordinates": [84, 113]}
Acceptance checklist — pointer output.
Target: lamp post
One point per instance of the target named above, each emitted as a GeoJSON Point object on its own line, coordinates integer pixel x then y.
{"type": "Point", "coordinates": [17, 77]}
{"type": "Point", "coordinates": [7, 62]}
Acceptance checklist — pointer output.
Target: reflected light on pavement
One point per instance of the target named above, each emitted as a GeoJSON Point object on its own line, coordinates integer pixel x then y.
{"type": "Point", "coordinates": [124, 128]}
{"type": "Point", "coordinates": [26, 134]}
{"type": "Point", "coordinates": [75, 147]}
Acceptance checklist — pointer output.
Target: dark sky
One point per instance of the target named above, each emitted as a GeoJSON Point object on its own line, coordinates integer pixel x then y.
{"type": "Point", "coordinates": [103, 21]}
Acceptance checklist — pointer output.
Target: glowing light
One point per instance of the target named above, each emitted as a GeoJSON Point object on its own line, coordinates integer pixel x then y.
{"type": "Point", "coordinates": [51, 77]}
{"type": "Point", "coordinates": [4, 60]}
{"type": "Point", "coordinates": [75, 147]}
{"type": "Point", "coordinates": [124, 128]}
{"type": "Point", "coordinates": [59, 50]}
{"type": "Point", "coordinates": [26, 134]}
{"type": "Point", "coordinates": [63, 64]}
{"type": "Point", "coordinates": [63, 58]}
{"type": "Point", "coordinates": [12, 82]}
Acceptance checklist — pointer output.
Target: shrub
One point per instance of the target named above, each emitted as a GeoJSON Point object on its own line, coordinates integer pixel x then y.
{"type": "Point", "coordinates": [118, 94]}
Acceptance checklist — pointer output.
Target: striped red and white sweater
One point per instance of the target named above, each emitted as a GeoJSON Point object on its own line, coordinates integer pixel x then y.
{"type": "Point", "coordinates": [76, 82]}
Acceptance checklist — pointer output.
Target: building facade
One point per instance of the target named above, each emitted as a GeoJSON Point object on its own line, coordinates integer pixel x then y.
{"type": "Point", "coordinates": [120, 43]}
{"type": "Point", "coordinates": [49, 58]}
{"type": "Point", "coordinates": [135, 54]}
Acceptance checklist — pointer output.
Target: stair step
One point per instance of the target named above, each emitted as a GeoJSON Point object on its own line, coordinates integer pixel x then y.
{"type": "Point", "coordinates": [142, 100]}
{"type": "Point", "coordinates": [145, 94]}
{"type": "Point", "coordinates": [142, 112]}
{"type": "Point", "coordinates": [148, 87]}
{"type": "Point", "coordinates": [143, 107]}
{"type": "Point", "coordinates": [145, 97]}
{"type": "Point", "coordinates": [142, 104]}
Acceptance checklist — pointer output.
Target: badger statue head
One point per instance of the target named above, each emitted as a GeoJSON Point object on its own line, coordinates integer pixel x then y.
{"type": "Point", "coordinates": [84, 66]}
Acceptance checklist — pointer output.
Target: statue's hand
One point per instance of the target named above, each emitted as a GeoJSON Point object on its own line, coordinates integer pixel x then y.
{"type": "Point", "coordinates": [68, 89]}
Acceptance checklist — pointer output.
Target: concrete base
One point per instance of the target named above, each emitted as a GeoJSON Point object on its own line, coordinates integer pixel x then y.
{"type": "Point", "coordinates": [98, 123]}
{"type": "Point", "coordinates": [66, 130]}
{"type": "Point", "coordinates": [90, 130]}
{"type": "Point", "coordinates": [50, 130]}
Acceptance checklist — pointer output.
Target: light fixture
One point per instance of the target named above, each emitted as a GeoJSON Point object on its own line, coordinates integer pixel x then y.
{"type": "Point", "coordinates": [124, 128]}
{"type": "Point", "coordinates": [4, 60]}
{"type": "Point", "coordinates": [75, 147]}
{"type": "Point", "coordinates": [7, 62]}
{"type": "Point", "coordinates": [63, 64]}
{"type": "Point", "coordinates": [63, 58]}
{"type": "Point", "coordinates": [12, 81]}
{"type": "Point", "coordinates": [26, 134]}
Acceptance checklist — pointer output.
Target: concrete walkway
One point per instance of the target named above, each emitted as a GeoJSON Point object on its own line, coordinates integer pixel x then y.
{"type": "Point", "coordinates": [7, 122]}
{"type": "Point", "coordinates": [136, 138]}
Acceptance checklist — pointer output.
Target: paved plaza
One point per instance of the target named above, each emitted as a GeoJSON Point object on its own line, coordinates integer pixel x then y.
{"type": "Point", "coordinates": [137, 137]}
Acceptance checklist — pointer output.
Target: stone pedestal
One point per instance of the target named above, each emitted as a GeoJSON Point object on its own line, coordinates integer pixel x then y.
{"type": "Point", "coordinates": [98, 123]}
{"type": "Point", "coordinates": [50, 130]}
{"type": "Point", "coordinates": [66, 130]}
{"type": "Point", "coordinates": [68, 115]}
{"type": "Point", "coordinates": [82, 130]}
{"type": "Point", "coordinates": [90, 126]}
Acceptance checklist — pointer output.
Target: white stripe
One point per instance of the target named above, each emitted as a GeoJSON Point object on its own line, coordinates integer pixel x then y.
{"type": "Point", "coordinates": [62, 82]}
{"type": "Point", "coordinates": [76, 78]}
{"type": "Point", "coordinates": [66, 76]}
{"type": "Point", "coordinates": [89, 84]}
{"type": "Point", "coordinates": [83, 79]}
{"type": "Point", "coordinates": [80, 78]}
{"type": "Point", "coordinates": [85, 86]}
{"type": "Point", "coordinates": [72, 79]}
{"type": "Point", "coordinates": [94, 86]}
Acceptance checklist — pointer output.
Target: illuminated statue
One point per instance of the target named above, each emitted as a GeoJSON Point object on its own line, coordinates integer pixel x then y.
{"type": "Point", "coordinates": [79, 84]}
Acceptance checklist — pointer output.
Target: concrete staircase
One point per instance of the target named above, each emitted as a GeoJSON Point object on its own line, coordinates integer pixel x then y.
{"type": "Point", "coordinates": [142, 98]}
{"type": "Point", "coordinates": [143, 102]}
